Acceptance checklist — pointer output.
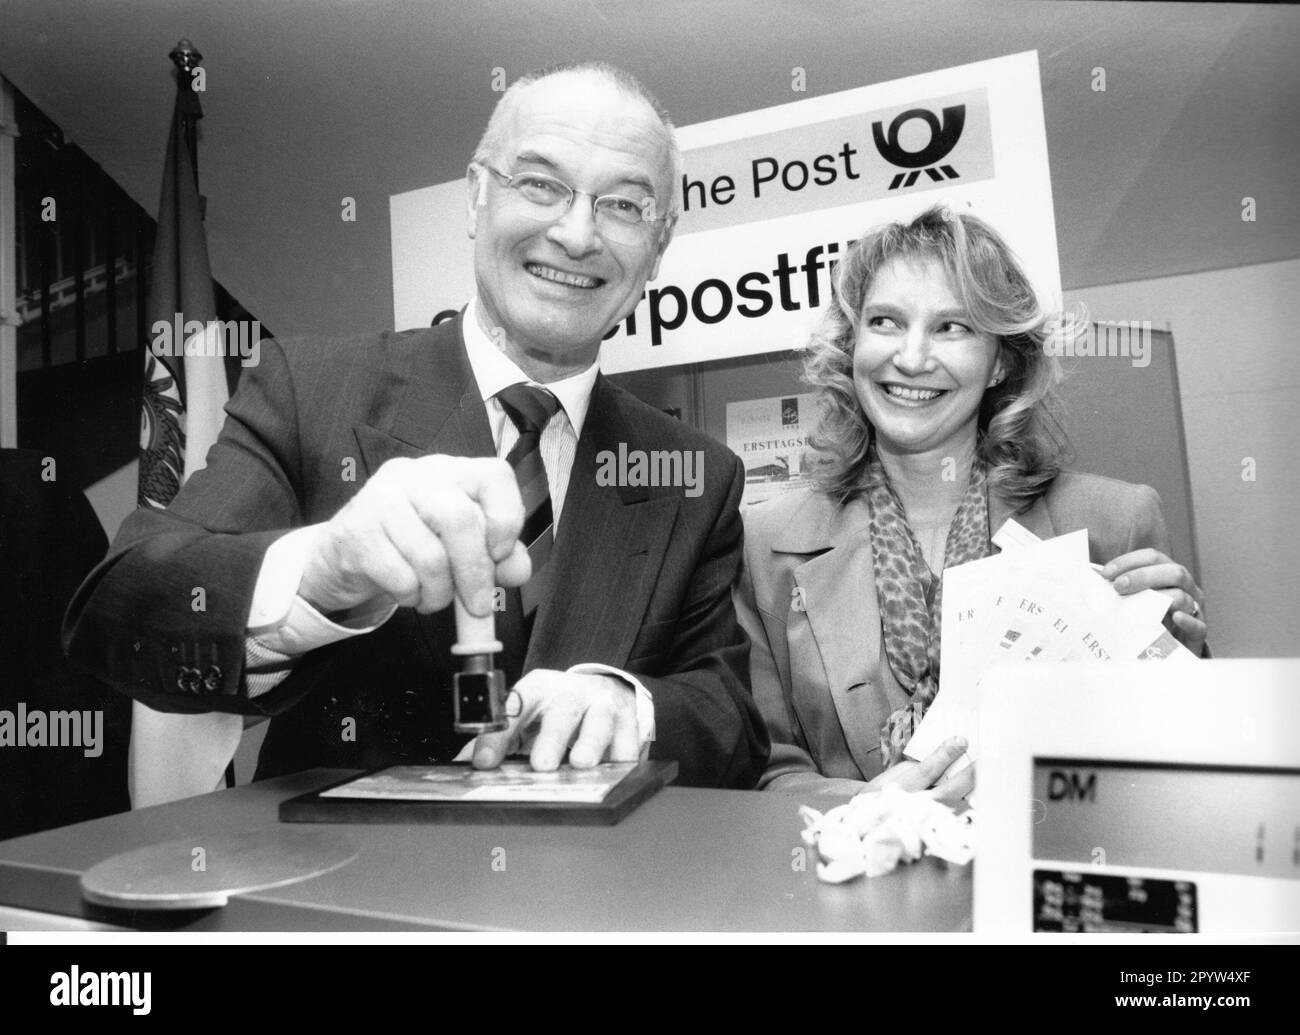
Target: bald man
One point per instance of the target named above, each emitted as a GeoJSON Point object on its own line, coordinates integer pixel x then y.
{"type": "Point", "coordinates": [476, 446]}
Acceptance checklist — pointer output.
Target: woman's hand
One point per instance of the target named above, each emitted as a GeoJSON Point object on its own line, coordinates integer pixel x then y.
{"type": "Point", "coordinates": [929, 774]}
{"type": "Point", "coordinates": [1150, 569]}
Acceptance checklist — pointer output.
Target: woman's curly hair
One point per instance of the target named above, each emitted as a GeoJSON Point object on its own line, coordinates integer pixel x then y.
{"type": "Point", "coordinates": [1019, 436]}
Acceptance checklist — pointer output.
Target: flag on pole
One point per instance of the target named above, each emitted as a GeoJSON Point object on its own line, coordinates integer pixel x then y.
{"type": "Point", "coordinates": [175, 756]}
{"type": "Point", "coordinates": [183, 393]}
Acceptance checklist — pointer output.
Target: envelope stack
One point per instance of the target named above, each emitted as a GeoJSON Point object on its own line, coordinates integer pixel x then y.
{"type": "Point", "coordinates": [1036, 602]}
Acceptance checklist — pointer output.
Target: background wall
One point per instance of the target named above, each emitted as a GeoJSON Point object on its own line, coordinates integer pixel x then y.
{"type": "Point", "coordinates": [1235, 333]}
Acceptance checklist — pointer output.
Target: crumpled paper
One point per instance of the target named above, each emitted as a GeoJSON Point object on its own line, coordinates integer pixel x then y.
{"type": "Point", "coordinates": [876, 830]}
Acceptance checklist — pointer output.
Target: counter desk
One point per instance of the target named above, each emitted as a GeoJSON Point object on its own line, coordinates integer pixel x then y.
{"type": "Point", "coordinates": [686, 860]}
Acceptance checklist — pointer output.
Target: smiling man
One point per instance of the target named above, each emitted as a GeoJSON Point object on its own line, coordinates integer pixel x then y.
{"type": "Point", "coordinates": [475, 447]}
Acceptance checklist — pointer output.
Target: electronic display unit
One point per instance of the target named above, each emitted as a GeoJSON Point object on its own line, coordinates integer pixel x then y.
{"type": "Point", "coordinates": [1139, 797]}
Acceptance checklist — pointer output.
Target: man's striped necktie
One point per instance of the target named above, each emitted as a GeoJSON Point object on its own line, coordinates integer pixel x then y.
{"type": "Point", "coordinates": [530, 408]}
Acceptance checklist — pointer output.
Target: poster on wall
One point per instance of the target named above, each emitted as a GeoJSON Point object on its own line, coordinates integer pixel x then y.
{"type": "Point", "coordinates": [772, 197]}
{"type": "Point", "coordinates": [769, 436]}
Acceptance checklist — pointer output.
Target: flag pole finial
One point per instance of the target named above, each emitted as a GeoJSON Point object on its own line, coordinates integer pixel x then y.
{"type": "Point", "coordinates": [186, 57]}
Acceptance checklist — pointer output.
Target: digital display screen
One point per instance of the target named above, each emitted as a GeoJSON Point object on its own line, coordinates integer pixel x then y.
{"type": "Point", "coordinates": [1098, 903]}
{"type": "Point", "coordinates": [1200, 819]}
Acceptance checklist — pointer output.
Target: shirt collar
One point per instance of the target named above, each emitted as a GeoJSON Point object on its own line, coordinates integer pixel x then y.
{"type": "Point", "coordinates": [494, 370]}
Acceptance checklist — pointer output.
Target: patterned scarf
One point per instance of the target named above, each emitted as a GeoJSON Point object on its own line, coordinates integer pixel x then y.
{"type": "Point", "coordinates": [911, 597]}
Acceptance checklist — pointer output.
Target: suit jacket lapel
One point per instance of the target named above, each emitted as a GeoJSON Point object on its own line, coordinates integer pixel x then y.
{"type": "Point", "coordinates": [609, 545]}
{"type": "Point", "coordinates": [839, 597]}
{"type": "Point", "coordinates": [426, 402]}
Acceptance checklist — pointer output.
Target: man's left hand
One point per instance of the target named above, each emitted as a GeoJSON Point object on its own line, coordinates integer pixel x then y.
{"type": "Point", "coordinates": [596, 714]}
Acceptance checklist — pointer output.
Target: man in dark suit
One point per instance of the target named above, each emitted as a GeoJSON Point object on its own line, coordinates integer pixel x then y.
{"type": "Point", "coordinates": [358, 486]}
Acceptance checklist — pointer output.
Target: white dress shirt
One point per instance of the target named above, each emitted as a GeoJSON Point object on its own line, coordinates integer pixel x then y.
{"type": "Point", "coordinates": [282, 625]}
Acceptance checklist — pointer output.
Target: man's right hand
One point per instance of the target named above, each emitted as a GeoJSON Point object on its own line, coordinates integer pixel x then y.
{"type": "Point", "coordinates": [420, 532]}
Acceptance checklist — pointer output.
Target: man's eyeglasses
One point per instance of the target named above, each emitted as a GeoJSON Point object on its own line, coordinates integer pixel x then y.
{"type": "Point", "coordinates": [618, 217]}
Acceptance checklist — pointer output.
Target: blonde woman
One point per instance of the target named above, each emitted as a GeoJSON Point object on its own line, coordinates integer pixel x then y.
{"type": "Point", "coordinates": [935, 390]}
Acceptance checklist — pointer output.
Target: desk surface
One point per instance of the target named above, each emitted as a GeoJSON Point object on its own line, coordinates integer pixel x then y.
{"type": "Point", "coordinates": [687, 860]}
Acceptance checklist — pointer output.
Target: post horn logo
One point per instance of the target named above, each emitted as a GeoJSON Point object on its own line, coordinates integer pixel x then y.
{"type": "Point", "coordinates": [942, 140]}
